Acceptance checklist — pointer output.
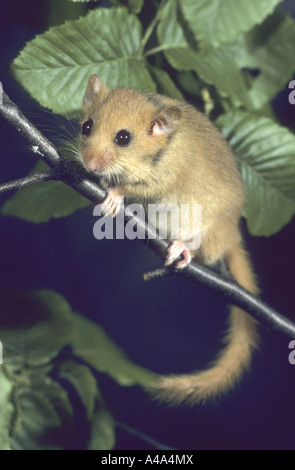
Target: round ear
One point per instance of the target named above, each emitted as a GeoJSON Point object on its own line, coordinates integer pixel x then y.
{"type": "Point", "coordinates": [93, 90]}
{"type": "Point", "coordinates": [166, 120]}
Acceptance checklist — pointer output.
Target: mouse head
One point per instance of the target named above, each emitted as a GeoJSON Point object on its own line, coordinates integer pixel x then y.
{"type": "Point", "coordinates": [123, 130]}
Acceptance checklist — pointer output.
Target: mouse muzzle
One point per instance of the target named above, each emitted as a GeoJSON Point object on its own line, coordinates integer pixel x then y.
{"type": "Point", "coordinates": [97, 161]}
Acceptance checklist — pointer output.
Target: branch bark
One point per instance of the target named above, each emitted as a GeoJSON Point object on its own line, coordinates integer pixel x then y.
{"type": "Point", "coordinates": [21, 183]}
{"type": "Point", "coordinates": [63, 170]}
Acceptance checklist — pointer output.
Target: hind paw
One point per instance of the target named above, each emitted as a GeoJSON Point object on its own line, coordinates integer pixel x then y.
{"type": "Point", "coordinates": [176, 249]}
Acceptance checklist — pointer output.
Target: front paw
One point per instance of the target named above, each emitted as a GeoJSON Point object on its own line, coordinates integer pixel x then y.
{"type": "Point", "coordinates": [176, 249]}
{"type": "Point", "coordinates": [112, 204]}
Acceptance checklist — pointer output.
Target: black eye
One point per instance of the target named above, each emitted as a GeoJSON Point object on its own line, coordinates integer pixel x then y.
{"type": "Point", "coordinates": [87, 127]}
{"type": "Point", "coordinates": [123, 138]}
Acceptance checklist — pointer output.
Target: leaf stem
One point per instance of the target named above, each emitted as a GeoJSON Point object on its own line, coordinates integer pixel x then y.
{"type": "Point", "coordinates": [157, 49]}
{"type": "Point", "coordinates": [151, 27]}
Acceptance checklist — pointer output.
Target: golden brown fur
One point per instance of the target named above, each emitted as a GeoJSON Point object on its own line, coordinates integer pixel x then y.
{"type": "Point", "coordinates": [178, 157]}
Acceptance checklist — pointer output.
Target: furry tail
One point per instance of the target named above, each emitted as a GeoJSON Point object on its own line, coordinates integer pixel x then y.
{"type": "Point", "coordinates": [241, 339]}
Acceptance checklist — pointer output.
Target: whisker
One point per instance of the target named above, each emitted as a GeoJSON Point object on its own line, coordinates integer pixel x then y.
{"type": "Point", "coordinates": [124, 170]}
{"type": "Point", "coordinates": [147, 172]}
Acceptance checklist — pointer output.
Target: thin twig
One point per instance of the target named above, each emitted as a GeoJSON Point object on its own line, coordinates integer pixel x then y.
{"type": "Point", "coordinates": [70, 175]}
{"type": "Point", "coordinates": [21, 183]}
{"type": "Point", "coordinates": [157, 273]}
{"type": "Point", "coordinates": [133, 432]}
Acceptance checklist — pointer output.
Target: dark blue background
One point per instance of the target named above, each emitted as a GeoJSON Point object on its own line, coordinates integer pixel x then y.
{"type": "Point", "coordinates": [168, 326]}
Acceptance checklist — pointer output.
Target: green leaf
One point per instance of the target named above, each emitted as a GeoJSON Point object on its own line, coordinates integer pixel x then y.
{"type": "Point", "coordinates": [6, 407]}
{"type": "Point", "coordinates": [55, 66]}
{"type": "Point", "coordinates": [34, 326]}
{"type": "Point", "coordinates": [41, 202]}
{"type": "Point", "coordinates": [84, 382]}
{"type": "Point", "coordinates": [60, 11]}
{"type": "Point", "coordinates": [170, 30]}
{"type": "Point", "coordinates": [165, 84]}
{"type": "Point", "coordinates": [215, 67]}
{"type": "Point", "coordinates": [190, 83]}
{"type": "Point", "coordinates": [38, 414]}
{"type": "Point", "coordinates": [267, 49]}
{"type": "Point", "coordinates": [265, 153]}
{"type": "Point", "coordinates": [135, 6]}
{"type": "Point", "coordinates": [102, 435]}
{"type": "Point", "coordinates": [102, 431]}
{"type": "Point", "coordinates": [92, 344]}
{"type": "Point", "coordinates": [214, 22]}
{"type": "Point", "coordinates": [45, 415]}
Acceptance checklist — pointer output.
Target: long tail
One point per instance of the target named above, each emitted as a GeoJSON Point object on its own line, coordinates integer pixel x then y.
{"type": "Point", "coordinates": [241, 339]}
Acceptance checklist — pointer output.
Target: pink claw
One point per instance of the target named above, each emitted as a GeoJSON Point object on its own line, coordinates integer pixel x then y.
{"type": "Point", "coordinates": [176, 249]}
{"type": "Point", "coordinates": [111, 205]}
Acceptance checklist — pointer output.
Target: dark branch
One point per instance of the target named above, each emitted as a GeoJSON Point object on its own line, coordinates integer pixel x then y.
{"type": "Point", "coordinates": [21, 183]}
{"type": "Point", "coordinates": [90, 189]}
{"type": "Point", "coordinates": [242, 298]}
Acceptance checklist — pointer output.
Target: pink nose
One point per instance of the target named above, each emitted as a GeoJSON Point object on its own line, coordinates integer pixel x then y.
{"type": "Point", "coordinates": [97, 162]}
{"type": "Point", "coordinates": [93, 165]}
